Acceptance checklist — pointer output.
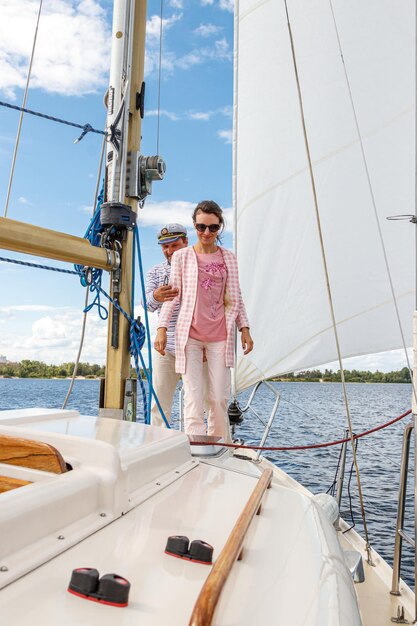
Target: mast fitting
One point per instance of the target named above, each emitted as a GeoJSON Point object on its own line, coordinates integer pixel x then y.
{"type": "Point", "coordinates": [141, 171]}
{"type": "Point", "coordinates": [117, 214]}
{"type": "Point", "coordinates": [140, 100]}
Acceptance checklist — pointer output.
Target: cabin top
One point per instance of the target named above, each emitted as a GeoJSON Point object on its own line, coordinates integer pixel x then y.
{"type": "Point", "coordinates": [111, 466]}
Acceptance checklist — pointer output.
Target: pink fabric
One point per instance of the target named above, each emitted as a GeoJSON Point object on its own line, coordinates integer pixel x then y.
{"type": "Point", "coordinates": [184, 276]}
{"type": "Point", "coordinates": [218, 389]}
{"type": "Point", "coordinates": [209, 322]}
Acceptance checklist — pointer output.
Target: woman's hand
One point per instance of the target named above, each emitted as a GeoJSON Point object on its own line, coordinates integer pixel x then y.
{"type": "Point", "coordinates": [247, 341]}
{"type": "Point", "coordinates": [161, 340]}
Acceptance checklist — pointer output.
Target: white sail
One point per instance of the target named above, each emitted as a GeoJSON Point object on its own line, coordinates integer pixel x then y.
{"type": "Point", "coordinates": [281, 268]}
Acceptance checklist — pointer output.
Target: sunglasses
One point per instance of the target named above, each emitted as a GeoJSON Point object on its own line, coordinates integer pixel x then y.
{"type": "Point", "coordinates": [213, 228]}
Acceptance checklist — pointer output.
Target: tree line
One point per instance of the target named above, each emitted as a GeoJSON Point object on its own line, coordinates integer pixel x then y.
{"type": "Point", "coordinates": [38, 369]}
{"type": "Point", "coordinates": [351, 376]}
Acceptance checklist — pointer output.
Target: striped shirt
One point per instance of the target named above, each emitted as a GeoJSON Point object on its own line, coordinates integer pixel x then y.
{"type": "Point", "coordinates": [158, 276]}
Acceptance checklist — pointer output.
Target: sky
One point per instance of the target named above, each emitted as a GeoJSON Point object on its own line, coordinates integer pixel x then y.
{"type": "Point", "coordinates": [54, 180]}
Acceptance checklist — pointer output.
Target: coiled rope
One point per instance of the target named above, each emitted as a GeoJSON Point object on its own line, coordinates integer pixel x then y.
{"type": "Point", "coordinates": [311, 446]}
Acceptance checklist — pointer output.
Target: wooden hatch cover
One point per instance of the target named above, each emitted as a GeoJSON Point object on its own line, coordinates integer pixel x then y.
{"type": "Point", "coordinates": [33, 454]}
{"type": "Point", "coordinates": [7, 483]}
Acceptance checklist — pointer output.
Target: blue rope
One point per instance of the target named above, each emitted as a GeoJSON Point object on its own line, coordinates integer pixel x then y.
{"type": "Point", "coordinates": [138, 352]}
{"type": "Point", "coordinates": [137, 339]}
{"type": "Point", "coordinates": [93, 235]}
{"type": "Point", "coordinates": [148, 333]}
{"type": "Point", "coordinates": [38, 266]}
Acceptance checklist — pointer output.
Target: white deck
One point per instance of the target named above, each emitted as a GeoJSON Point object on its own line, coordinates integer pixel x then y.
{"type": "Point", "coordinates": [292, 571]}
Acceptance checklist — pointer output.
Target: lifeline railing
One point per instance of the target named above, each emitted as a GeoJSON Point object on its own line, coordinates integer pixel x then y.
{"type": "Point", "coordinates": [267, 425]}
{"type": "Point", "coordinates": [248, 407]}
{"type": "Point", "coordinates": [400, 534]}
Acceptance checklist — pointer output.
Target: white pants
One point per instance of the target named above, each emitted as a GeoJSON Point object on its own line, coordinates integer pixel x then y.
{"type": "Point", "coordinates": [218, 389]}
{"type": "Point", "coordinates": [164, 380]}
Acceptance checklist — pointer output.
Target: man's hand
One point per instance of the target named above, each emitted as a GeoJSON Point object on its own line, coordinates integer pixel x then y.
{"type": "Point", "coordinates": [247, 341]}
{"type": "Point", "coordinates": [160, 340]}
{"type": "Point", "coordinates": [165, 293]}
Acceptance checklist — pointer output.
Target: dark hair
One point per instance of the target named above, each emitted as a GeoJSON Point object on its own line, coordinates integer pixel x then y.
{"type": "Point", "coordinates": [209, 206]}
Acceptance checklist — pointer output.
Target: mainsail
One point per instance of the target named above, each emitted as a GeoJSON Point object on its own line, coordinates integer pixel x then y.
{"type": "Point", "coordinates": [368, 49]}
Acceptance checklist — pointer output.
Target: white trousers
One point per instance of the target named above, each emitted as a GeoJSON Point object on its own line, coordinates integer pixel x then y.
{"type": "Point", "coordinates": [218, 389]}
{"type": "Point", "coordinates": [164, 380]}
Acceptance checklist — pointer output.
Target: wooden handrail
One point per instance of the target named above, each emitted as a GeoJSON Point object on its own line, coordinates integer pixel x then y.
{"type": "Point", "coordinates": [204, 608]}
{"type": "Point", "coordinates": [33, 454]}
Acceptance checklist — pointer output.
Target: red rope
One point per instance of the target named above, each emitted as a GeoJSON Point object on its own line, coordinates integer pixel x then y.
{"type": "Point", "coordinates": [315, 445]}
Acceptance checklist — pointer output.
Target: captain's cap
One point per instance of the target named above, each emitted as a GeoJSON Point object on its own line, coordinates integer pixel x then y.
{"type": "Point", "coordinates": [171, 232]}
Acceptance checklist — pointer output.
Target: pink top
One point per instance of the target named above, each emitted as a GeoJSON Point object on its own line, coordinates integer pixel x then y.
{"type": "Point", "coordinates": [209, 323]}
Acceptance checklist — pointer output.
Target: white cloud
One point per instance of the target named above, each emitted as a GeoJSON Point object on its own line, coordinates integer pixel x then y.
{"type": "Point", "coordinates": [26, 307]}
{"type": "Point", "coordinates": [72, 49]}
{"type": "Point", "coordinates": [226, 135]}
{"type": "Point", "coordinates": [23, 200]}
{"type": "Point", "coordinates": [85, 208]}
{"type": "Point", "coordinates": [227, 5]}
{"type": "Point", "coordinates": [163, 113]}
{"type": "Point", "coordinates": [227, 111]}
{"type": "Point", "coordinates": [156, 214]}
{"type": "Point", "coordinates": [152, 53]}
{"type": "Point", "coordinates": [10, 311]}
{"type": "Point", "coordinates": [205, 116]}
{"type": "Point", "coordinates": [54, 338]}
{"type": "Point", "coordinates": [176, 4]}
{"type": "Point", "coordinates": [207, 30]}
{"type": "Point", "coordinates": [220, 51]}
{"type": "Point", "coordinates": [153, 25]}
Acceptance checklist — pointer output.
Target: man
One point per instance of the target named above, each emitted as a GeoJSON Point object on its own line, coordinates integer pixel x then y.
{"type": "Point", "coordinates": [171, 237]}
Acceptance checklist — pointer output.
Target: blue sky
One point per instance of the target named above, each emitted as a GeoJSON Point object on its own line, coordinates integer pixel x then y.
{"type": "Point", "coordinates": [54, 181]}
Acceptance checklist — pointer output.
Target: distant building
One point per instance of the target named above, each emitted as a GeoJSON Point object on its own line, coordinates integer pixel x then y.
{"type": "Point", "coordinates": [3, 358]}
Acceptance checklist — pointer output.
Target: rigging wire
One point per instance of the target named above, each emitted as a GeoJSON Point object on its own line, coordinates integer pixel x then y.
{"type": "Point", "coordinates": [311, 446]}
{"type": "Point", "coordinates": [86, 128]}
{"type": "Point", "coordinates": [373, 201]}
{"type": "Point", "coordinates": [87, 291]}
{"type": "Point", "coordinates": [328, 286]}
{"type": "Point", "coordinates": [234, 174]}
{"type": "Point", "coordinates": [19, 128]}
{"type": "Point", "coordinates": [159, 78]}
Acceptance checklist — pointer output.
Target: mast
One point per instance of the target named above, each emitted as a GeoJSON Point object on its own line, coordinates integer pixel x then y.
{"type": "Point", "coordinates": [128, 180]}
{"type": "Point", "coordinates": [126, 76]}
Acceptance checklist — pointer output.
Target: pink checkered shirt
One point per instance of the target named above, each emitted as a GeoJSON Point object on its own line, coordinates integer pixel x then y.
{"type": "Point", "coordinates": [184, 276]}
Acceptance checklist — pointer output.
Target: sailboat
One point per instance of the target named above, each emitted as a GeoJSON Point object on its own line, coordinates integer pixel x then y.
{"type": "Point", "coordinates": [101, 506]}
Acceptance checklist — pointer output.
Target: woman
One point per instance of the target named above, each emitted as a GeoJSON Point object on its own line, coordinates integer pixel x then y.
{"type": "Point", "coordinates": [206, 277]}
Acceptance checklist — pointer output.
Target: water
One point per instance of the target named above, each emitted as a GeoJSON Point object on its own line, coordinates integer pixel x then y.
{"type": "Point", "coordinates": [308, 413]}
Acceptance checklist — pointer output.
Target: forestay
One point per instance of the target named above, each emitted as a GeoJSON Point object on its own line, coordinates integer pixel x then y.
{"type": "Point", "coordinates": [281, 268]}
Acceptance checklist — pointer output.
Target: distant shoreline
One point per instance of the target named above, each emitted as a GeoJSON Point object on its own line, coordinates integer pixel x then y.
{"type": "Point", "coordinates": [274, 380]}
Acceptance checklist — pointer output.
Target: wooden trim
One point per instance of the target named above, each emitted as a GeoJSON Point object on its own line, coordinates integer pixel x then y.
{"type": "Point", "coordinates": [34, 454]}
{"type": "Point", "coordinates": [51, 244]}
{"type": "Point", "coordinates": [205, 606]}
{"type": "Point", "coordinates": [7, 483]}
